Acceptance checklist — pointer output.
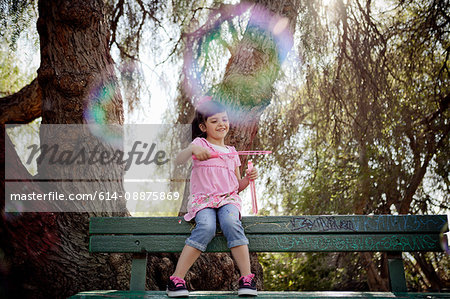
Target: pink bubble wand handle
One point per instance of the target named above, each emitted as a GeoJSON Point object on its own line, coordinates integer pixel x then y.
{"type": "Point", "coordinates": [252, 190]}
{"type": "Point", "coordinates": [241, 153]}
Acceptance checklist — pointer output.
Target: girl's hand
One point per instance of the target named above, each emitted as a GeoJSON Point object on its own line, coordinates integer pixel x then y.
{"type": "Point", "coordinates": [253, 174]}
{"type": "Point", "coordinates": [200, 152]}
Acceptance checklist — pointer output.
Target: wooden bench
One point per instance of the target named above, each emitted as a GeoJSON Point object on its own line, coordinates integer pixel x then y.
{"type": "Point", "coordinates": [378, 233]}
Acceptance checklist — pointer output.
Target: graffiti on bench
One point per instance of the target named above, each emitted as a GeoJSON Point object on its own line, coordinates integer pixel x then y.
{"type": "Point", "coordinates": [362, 224]}
{"type": "Point", "coordinates": [356, 243]}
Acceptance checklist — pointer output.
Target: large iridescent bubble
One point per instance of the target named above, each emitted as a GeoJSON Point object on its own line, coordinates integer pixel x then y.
{"type": "Point", "coordinates": [100, 109]}
{"type": "Point", "coordinates": [95, 113]}
{"type": "Point", "coordinates": [256, 23]}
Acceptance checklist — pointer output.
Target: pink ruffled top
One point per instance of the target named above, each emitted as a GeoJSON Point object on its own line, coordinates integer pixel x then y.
{"type": "Point", "coordinates": [213, 181]}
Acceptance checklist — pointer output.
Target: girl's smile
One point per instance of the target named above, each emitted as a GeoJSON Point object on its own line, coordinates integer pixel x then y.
{"type": "Point", "coordinates": [216, 128]}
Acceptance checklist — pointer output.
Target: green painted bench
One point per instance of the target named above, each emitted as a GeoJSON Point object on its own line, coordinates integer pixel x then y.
{"type": "Point", "coordinates": [377, 233]}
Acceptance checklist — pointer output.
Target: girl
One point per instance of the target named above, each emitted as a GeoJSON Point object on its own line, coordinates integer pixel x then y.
{"type": "Point", "coordinates": [215, 184]}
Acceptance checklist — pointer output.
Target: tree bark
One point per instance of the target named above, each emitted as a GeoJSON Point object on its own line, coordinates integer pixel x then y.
{"type": "Point", "coordinates": [22, 107]}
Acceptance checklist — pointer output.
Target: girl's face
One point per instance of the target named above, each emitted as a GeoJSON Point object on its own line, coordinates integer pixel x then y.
{"type": "Point", "coordinates": [216, 126]}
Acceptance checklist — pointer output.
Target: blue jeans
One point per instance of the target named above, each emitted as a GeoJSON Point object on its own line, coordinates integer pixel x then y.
{"type": "Point", "coordinates": [205, 228]}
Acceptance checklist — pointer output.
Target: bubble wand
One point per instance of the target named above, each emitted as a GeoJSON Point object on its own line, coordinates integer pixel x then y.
{"type": "Point", "coordinates": [252, 189]}
{"type": "Point", "coordinates": [241, 153]}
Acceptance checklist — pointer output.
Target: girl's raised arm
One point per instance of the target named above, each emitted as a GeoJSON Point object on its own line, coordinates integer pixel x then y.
{"type": "Point", "coordinates": [200, 153]}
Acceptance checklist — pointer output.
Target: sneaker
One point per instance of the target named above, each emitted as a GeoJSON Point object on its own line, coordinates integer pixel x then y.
{"type": "Point", "coordinates": [177, 287]}
{"type": "Point", "coordinates": [247, 286]}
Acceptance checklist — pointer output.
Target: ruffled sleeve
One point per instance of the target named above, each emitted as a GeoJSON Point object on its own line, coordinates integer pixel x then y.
{"type": "Point", "coordinates": [237, 161]}
{"type": "Point", "coordinates": [198, 141]}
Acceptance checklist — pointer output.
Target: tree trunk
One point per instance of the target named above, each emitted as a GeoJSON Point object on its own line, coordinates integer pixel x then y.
{"type": "Point", "coordinates": [436, 283]}
{"type": "Point", "coordinates": [47, 253]}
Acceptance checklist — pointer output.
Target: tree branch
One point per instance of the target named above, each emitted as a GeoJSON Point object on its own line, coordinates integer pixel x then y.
{"type": "Point", "coordinates": [22, 107]}
{"type": "Point", "coordinates": [432, 148]}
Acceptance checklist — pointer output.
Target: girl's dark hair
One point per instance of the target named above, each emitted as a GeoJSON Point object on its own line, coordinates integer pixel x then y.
{"type": "Point", "coordinates": [205, 110]}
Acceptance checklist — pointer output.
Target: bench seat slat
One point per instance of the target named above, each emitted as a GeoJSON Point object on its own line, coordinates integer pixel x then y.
{"type": "Point", "coordinates": [278, 224]}
{"type": "Point", "coordinates": [273, 243]}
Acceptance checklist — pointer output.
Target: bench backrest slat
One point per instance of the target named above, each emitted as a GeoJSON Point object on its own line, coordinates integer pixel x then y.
{"type": "Point", "coordinates": [280, 224]}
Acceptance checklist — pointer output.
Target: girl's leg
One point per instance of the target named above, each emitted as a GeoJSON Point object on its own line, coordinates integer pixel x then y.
{"type": "Point", "coordinates": [202, 234]}
{"type": "Point", "coordinates": [236, 240]}
{"type": "Point", "coordinates": [187, 258]}
{"type": "Point", "coordinates": [242, 258]}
